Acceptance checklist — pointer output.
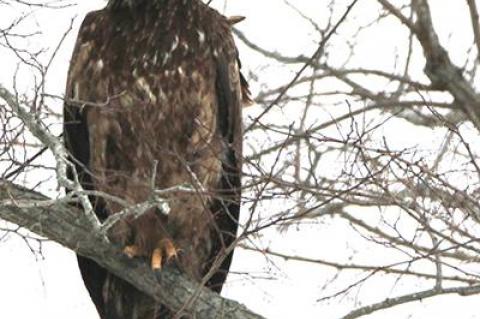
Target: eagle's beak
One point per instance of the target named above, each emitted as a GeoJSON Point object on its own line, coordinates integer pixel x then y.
{"type": "Point", "coordinates": [235, 19]}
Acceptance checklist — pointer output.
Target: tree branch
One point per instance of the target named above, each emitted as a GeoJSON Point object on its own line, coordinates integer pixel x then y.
{"type": "Point", "coordinates": [59, 222]}
{"type": "Point", "coordinates": [58, 150]}
{"type": "Point", "coordinates": [472, 6]}
{"type": "Point", "coordinates": [440, 69]}
{"type": "Point", "coordinates": [417, 296]}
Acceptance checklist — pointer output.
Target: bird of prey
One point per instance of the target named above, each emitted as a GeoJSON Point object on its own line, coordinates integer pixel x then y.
{"type": "Point", "coordinates": [153, 102]}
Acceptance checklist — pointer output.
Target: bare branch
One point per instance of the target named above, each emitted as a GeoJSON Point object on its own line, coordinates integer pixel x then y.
{"type": "Point", "coordinates": [413, 297]}
{"type": "Point", "coordinates": [58, 150]}
{"type": "Point", "coordinates": [472, 6]}
{"type": "Point", "coordinates": [60, 222]}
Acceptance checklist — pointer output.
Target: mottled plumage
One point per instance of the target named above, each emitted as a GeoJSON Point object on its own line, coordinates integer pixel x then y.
{"type": "Point", "coordinates": [154, 86]}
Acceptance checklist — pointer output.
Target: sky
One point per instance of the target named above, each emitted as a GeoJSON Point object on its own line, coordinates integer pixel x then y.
{"type": "Point", "coordinates": [48, 285]}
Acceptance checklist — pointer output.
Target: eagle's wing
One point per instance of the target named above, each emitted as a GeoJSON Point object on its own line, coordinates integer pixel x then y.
{"type": "Point", "coordinates": [227, 208]}
{"type": "Point", "coordinates": [75, 133]}
{"type": "Point", "coordinates": [77, 143]}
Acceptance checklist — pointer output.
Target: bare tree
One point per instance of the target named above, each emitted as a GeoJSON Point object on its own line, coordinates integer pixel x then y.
{"type": "Point", "coordinates": [370, 134]}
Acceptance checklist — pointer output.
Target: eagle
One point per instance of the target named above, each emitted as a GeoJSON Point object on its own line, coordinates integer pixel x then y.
{"type": "Point", "coordinates": [153, 105]}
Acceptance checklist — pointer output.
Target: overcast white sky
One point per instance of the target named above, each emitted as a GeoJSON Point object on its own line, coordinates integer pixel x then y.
{"type": "Point", "coordinates": [31, 286]}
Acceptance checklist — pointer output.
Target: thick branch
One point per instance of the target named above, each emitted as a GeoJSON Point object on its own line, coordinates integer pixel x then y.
{"type": "Point", "coordinates": [59, 222]}
{"type": "Point", "coordinates": [475, 25]}
{"type": "Point", "coordinates": [440, 69]}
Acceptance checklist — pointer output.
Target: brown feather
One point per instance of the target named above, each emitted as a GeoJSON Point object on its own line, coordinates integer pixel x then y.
{"type": "Point", "coordinates": [163, 87]}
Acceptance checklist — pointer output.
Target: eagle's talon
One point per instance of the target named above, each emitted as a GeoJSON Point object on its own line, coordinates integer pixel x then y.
{"type": "Point", "coordinates": [131, 251]}
{"type": "Point", "coordinates": [156, 262]}
{"type": "Point", "coordinates": [164, 252]}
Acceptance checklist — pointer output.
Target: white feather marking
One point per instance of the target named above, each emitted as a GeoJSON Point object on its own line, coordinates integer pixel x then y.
{"type": "Point", "coordinates": [162, 95]}
{"type": "Point", "coordinates": [180, 71]}
{"type": "Point", "coordinates": [174, 44]}
{"type": "Point", "coordinates": [201, 36]}
{"type": "Point", "coordinates": [99, 65]}
{"type": "Point", "coordinates": [160, 116]}
{"type": "Point", "coordinates": [143, 86]}
{"type": "Point", "coordinates": [165, 58]}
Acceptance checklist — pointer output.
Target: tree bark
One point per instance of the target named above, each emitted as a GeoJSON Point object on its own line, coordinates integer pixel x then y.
{"type": "Point", "coordinates": [66, 225]}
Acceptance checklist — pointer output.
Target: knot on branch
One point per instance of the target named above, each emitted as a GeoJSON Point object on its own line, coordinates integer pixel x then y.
{"type": "Point", "coordinates": [440, 70]}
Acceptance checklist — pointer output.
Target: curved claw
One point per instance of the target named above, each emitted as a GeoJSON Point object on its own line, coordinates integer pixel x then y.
{"type": "Point", "coordinates": [165, 249]}
{"type": "Point", "coordinates": [131, 251]}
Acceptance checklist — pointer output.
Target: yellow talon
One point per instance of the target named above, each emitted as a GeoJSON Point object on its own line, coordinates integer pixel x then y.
{"type": "Point", "coordinates": [157, 259]}
{"type": "Point", "coordinates": [131, 251]}
{"type": "Point", "coordinates": [165, 250]}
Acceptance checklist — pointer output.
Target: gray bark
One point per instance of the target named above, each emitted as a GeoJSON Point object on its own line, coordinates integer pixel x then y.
{"type": "Point", "coordinates": [66, 225]}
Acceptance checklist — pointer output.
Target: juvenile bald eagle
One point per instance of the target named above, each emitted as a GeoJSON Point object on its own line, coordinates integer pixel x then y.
{"type": "Point", "coordinates": [153, 101]}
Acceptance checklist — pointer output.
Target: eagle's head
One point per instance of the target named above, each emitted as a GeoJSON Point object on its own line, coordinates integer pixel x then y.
{"type": "Point", "coordinates": [113, 4]}
{"type": "Point", "coordinates": [123, 3]}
